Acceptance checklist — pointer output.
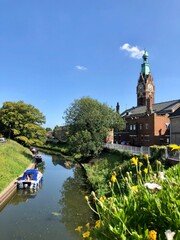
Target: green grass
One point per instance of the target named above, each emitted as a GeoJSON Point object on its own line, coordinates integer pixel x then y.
{"type": "Point", "coordinates": [100, 170]}
{"type": "Point", "coordinates": [14, 159]}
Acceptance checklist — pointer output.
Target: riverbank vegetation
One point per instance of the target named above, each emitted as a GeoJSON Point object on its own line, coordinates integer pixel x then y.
{"type": "Point", "coordinates": [99, 170]}
{"type": "Point", "coordinates": [58, 148]}
{"type": "Point", "coordinates": [138, 199]}
{"type": "Point", "coordinates": [89, 122]}
{"type": "Point", "coordinates": [14, 159]}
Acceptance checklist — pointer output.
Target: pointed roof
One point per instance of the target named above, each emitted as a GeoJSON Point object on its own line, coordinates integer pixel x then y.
{"type": "Point", "coordinates": [145, 69]}
{"type": "Point", "coordinates": [176, 113]}
{"type": "Point", "coordinates": [159, 108]}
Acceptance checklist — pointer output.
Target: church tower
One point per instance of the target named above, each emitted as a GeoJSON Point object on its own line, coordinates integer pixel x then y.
{"type": "Point", "coordinates": [145, 86]}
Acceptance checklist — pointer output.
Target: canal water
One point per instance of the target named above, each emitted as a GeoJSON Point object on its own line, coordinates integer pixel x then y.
{"type": "Point", "coordinates": [51, 212]}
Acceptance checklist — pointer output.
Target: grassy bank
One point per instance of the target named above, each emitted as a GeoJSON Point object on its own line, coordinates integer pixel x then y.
{"type": "Point", "coordinates": [100, 169]}
{"type": "Point", "coordinates": [59, 149]}
{"type": "Point", "coordinates": [14, 159]}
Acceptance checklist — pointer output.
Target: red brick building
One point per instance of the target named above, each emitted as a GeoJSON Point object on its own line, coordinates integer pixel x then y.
{"type": "Point", "coordinates": [147, 123]}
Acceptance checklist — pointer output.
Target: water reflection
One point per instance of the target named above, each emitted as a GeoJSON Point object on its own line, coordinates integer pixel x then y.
{"type": "Point", "coordinates": [51, 212]}
{"type": "Point", "coordinates": [73, 207]}
{"type": "Point", "coordinates": [62, 162]}
{"type": "Point", "coordinates": [23, 195]}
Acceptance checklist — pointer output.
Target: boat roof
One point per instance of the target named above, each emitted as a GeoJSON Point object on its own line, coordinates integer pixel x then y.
{"type": "Point", "coordinates": [32, 172]}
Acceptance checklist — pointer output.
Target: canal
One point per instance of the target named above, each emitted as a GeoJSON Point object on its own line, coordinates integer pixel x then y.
{"type": "Point", "coordinates": [51, 212]}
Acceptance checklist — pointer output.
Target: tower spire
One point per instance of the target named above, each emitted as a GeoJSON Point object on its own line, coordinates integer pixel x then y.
{"type": "Point", "coordinates": [145, 87]}
{"type": "Point", "coordinates": [145, 69]}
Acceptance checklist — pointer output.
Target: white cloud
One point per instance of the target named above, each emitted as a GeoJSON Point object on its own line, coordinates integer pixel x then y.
{"type": "Point", "coordinates": [81, 68]}
{"type": "Point", "coordinates": [134, 51]}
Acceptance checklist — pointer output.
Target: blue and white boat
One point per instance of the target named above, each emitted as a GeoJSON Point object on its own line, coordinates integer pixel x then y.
{"type": "Point", "coordinates": [30, 179]}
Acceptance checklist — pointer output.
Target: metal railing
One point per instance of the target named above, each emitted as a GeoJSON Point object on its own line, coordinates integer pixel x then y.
{"type": "Point", "coordinates": [131, 149]}
{"type": "Point", "coordinates": [142, 150]}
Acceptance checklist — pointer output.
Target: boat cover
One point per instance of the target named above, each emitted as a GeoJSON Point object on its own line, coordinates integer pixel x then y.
{"type": "Point", "coordinates": [33, 172]}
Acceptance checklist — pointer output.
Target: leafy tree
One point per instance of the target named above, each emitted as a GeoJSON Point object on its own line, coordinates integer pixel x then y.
{"type": "Point", "coordinates": [48, 129]}
{"type": "Point", "coordinates": [89, 122]}
{"type": "Point", "coordinates": [22, 122]}
{"type": "Point", "coordinates": [60, 133]}
{"type": "Point", "coordinates": [55, 130]}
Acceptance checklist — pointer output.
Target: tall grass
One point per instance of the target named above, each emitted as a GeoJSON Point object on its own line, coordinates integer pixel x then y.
{"type": "Point", "coordinates": [100, 169]}
{"type": "Point", "coordinates": [14, 159]}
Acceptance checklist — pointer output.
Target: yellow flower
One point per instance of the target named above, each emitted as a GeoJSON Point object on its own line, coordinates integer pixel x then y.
{"type": "Point", "coordinates": [134, 160]}
{"type": "Point", "coordinates": [102, 198]}
{"type": "Point", "coordinates": [86, 234]}
{"type": "Point", "coordinates": [140, 164]}
{"type": "Point", "coordinates": [174, 147]}
{"type": "Point", "coordinates": [134, 188]}
{"type": "Point", "coordinates": [146, 156]}
{"type": "Point", "coordinates": [93, 194]}
{"type": "Point", "coordinates": [98, 224]}
{"type": "Point", "coordinates": [152, 235]}
{"type": "Point", "coordinates": [114, 210]}
{"type": "Point", "coordinates": [88, 225]}
{"type": "Point", "coordinates": [158, 162]}
{"type": "Point", "coordinates": [86, 198]}
{"type": "Point", "coordinates": [146, 170]}
{"type": "Point", "coordinates": [78, 228]}
{"type": "Point", "coordinates": [113, 178]}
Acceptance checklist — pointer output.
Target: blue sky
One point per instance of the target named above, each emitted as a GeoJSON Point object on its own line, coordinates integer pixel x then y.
{"type": "Point", "coordinates": [53, 52]}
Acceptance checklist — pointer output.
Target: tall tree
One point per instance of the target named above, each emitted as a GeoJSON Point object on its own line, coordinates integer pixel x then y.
{"type": "Point", "coordinates": [22, 122]}
{"type": "Point", "coordinates": [89, 122]}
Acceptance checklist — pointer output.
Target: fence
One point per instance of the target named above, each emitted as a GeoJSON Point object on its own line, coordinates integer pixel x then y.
{"type": "Point", "coordinates": [143, 150]}
{"type": "Point", "coordinates": [131, 149]}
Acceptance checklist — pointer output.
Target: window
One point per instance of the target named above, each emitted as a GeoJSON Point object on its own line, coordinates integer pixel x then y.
{"type": "Point", "coordinates": [134, 127]}
{"type": "Point", "coordinates": [131, 127]}
{"type": "Point", "coordinates": [140, 126]}
{"type": "Point", "coordinates": [146, 138]}
{"type": "Point", "coordinates": [146, 125]}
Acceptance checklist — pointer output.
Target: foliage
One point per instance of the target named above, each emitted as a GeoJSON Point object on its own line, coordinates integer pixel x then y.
{"type": "Point", "coordinates": [60, 133]}
{"type": "Point", "coordinates": [173, 150]}
{"type": "Point", "coordinates": [99, 169]}
{"type": "Point", "coordinates": [55, 130]}
{"type": "Point", "coordinates": [22, 122]}
{"type": "Point", "coordinates": [147, 210]}
{"type": "Point", "coordinates": [59, 148]}
{"type": "Point", "coordinates": [14, 159]}
{"type": "Point", "coordinates": [157, 151]}
{"type": "Point", "coordinates": [89, 123]}
{"type": "Point", "coordinates": [48, 129]}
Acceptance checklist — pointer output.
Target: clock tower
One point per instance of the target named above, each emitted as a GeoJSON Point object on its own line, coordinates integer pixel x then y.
{"type": "Point", "coordinates": [145, 86]}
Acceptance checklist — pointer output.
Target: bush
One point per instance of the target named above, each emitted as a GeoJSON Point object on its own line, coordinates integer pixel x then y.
{"type": "Point", "coordinates": [145, 210]}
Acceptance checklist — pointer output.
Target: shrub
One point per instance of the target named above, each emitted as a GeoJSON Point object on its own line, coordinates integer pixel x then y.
{"type": "Point", "coordinates": [148, 209]}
